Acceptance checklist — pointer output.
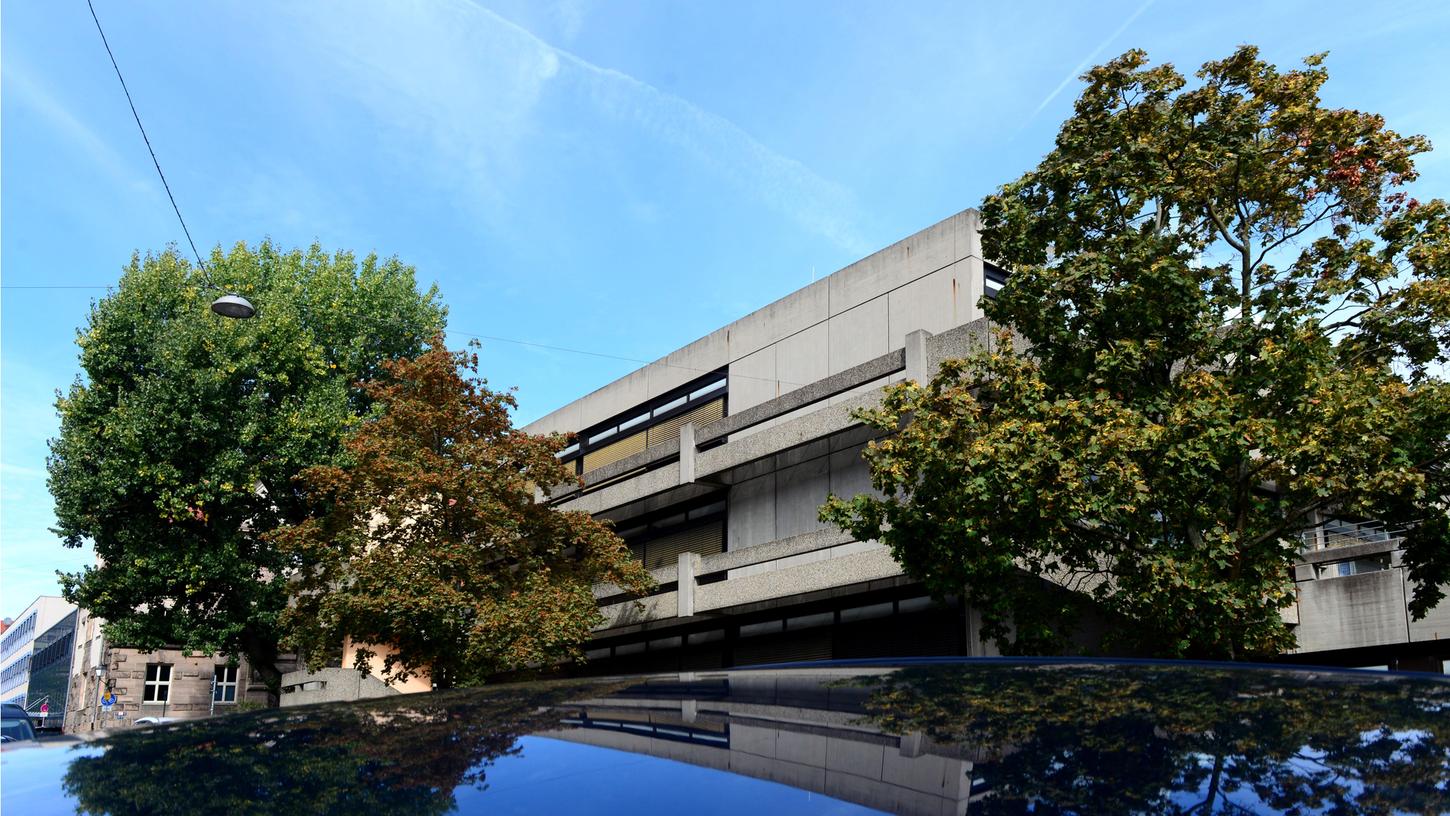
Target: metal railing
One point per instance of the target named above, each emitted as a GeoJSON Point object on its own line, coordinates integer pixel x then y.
{"type": "Point", "coordinates": [1341, 533]}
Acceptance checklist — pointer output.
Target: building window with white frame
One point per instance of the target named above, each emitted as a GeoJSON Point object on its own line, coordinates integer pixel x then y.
{"type": "Point", "coordinates": [224, 685]}
{"type": "Point", "coordinates": [158, 683]}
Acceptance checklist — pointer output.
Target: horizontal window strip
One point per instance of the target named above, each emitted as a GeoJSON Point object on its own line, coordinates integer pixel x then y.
{"type": "Point", "coordinates": [707, 539]}
{"type": "Point", "coordinates": [670, 428]}
{"type": "Point", "coordinates": [612, 453]}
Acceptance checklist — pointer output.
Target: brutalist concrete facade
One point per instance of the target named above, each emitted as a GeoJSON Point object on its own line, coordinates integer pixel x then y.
{"type": "Point", "coordinates": [806, 730]}
{"type": "Point", "coordinates": [778, 584]}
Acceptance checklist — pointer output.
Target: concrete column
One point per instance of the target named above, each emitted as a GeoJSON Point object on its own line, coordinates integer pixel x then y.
{"type": "Point", "coordinates": [916, 357]}
{"type": "Point", "coordinates": [689, 564]}
{"type": "Point", "coordinates": [687, 453]}
{"type": "Point", "coordinates": [689, 710]}
{"type": "Point", "coordinates": [911, 744]}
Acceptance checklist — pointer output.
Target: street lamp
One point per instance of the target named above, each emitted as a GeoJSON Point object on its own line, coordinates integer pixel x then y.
{"type": "Point", "coordinates": [234, 306]}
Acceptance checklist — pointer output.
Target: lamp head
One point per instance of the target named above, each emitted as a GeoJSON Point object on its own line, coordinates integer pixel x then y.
{"type": "Point", "coordinates": [233, 306]}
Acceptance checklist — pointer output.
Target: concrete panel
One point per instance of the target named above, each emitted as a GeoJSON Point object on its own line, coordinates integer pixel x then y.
{"type": "Point", "coordinates": [933, 248]}
{"type": "Point", "coordinates": [1357, 610]}
{"type": "Point", "coordinates": [852, 788]}
{"type": "Point", "coordinates": [803, 358]}
{"type": "Point", "coordinates": [752, 740]}
{"type": "Point", "coordinates": [564, 420]}
{"type": "Point", "coordinates": [927, 773]}
{"type": "Point", "coordinates": [795, 312]}
{"type": "Point", "coordinates": [966, 227]}
{"type": "Point", "coordinates": [850, 475]}
{"type": "Point", "coordinates": [615, 398]}
{"type": "Point", "coordinates": [780, 583]}
{"type": "Point", "coordinates": [654, 607]}
{"type": "Point", "coordinates": [811, 426]}
{"type": "Point", "coordinates": [853, 757]}
{"type": "Point", "coordinates": [751, 519]}
{"type": "Point", "coordinates": [803, 453]}
{"type": "Point", "coordinates": [815, 392]}
{"type": "Point", "coordinates": [773, 551]}
{"type": "Point", "coordinates": [868, 278]}
{"type": "Point", "coordinates": [860, 334]}
{"type": "Point", "coordinates": [1435, 625]}
{"type": "Point", "coordinates": [646, 484]}
{"type": "Point", "coordinates": [965, 339]}
{"type": "Point", "coordinates": [935, 303]}
{"type": "Point", "coordinates": [800, 490]}
{"type": "Point", "coordinates": [854, 394]}
{"type": "Point", "coordinates": [973, 284]}
{"type": "Point", "coordinates": [803, 777]}
{"type": "Point", "coordinates": [753, 381]}
{"type": "Point", "coordinates": [806, 749]}
{"type": "Point", "coordinates": [707, 354]}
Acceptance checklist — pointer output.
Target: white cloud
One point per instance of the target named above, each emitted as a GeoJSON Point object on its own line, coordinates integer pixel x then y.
{"type": "Point", "coordinates": [569, 16]}
{"type": "Point", "coordinates": [40, 101]}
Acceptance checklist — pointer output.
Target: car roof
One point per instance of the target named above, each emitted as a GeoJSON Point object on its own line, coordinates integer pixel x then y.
{"type": "Point", "coordinates": [901, 736]}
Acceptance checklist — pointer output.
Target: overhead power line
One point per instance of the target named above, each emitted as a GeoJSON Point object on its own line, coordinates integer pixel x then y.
{"type": "Point", "coordinates": [146, 139]}
{"type": "Point", "coordinates": [202, 264]}
{"type": "Point", "coordinates": [496, 339]}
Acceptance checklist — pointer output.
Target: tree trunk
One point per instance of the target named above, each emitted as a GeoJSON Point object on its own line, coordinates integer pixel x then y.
{"type": "Point", "coordinates": [262, 656]}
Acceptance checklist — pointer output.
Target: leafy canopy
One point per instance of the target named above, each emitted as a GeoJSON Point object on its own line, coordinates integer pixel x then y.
{"type": "Point", "coordinates": [179, 444]}
{"type": "Point", "coordinates": [1228, 320]}
{"type": "Point", "coordinates": [1176, 739]}
{"type": "Point", "coordinates": [399, 754]}
{"type": "Point", "coordinates": [432, 543]}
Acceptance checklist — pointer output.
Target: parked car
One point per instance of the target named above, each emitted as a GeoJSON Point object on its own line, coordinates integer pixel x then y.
{"type": "Point", "coordinates": [154, 720]}
{"type": "Point", "coordinates": [914, 737]}
{"type": "Point", "coordinates": [15, 724]}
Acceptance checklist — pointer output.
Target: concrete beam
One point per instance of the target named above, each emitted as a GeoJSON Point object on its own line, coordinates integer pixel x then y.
{"type": "Point", "coordinates": [882, 366]}
{"type": "Point", "coordinates": [808, 428]}
{"type": "Point", "coordinates": [688, 567]}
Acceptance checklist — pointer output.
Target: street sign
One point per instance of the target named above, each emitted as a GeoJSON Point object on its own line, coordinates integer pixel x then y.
{"type": "Point", "coordinates": [44, 709]}
{"type": "Point", "coordinates": [108, 700]}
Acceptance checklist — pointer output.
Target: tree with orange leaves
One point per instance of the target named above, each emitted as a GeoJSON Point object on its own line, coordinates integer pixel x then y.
{"type": "Point", "coordinates": [430, 542]}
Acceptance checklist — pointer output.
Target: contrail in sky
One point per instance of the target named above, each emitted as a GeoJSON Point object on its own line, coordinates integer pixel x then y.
{"type": "Point", "coordinates": [1082, 66]}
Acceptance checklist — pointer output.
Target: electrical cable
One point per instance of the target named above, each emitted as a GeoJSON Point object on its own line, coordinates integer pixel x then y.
{"type": "Point", "coordinates": [149, 149]}
{"type": "Point", "coordinates": [205, 274]}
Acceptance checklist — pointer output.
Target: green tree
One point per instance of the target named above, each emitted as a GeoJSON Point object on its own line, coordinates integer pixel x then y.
{"type": "Point", "coordinates": [398, 754]}
{"type": "Point", "coordinates": [433, 544]}
{"type": "Point", "coordinates": [179, 444]}
{"type": "Point", "coordinates": [1226, 317]}
{"type": "Point", "coordinates": [1175, 739]}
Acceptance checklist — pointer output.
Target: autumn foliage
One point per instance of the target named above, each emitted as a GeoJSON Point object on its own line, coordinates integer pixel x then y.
{"type": "Point", "coordinates": [430, 540]}
{"type": "Point", "coordinates": [1228, 320]}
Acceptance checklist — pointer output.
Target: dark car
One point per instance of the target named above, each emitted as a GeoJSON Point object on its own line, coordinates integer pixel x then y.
{"type": "Point", "coordinates": [926, 737]}
{"type": "Point", "coordinates": [15, 724]}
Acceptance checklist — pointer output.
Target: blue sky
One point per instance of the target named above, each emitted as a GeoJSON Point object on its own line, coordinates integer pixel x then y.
{"type": "Point", "coordinates": [617, 177]}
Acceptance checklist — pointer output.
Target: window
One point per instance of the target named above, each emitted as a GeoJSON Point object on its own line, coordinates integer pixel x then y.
{"type": "Point", "coordinates": [158, 683]}
{"type": "Point", "coordinates": [224, 684]}
{"type": "Point", "coordinates": [658, 538]}
{"type": "Point", "coordinates": [1356, 566]}
{"type": "Point", "coordinates": [19, 635]}
{"type": "Point", "coordinates": [994, 279]}
{"type": "Point", "coordinates": [650, 424]}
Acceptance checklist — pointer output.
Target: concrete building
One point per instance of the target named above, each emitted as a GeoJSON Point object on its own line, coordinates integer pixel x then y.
{"type": "Point", "coordinates": [712, 463]}
{"type": "Point", "coordinates": [808, 731]}
{"type": "Point", "coordinates": [31, 650]}
{"type": "Point", "coordinates": [112, 686]}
